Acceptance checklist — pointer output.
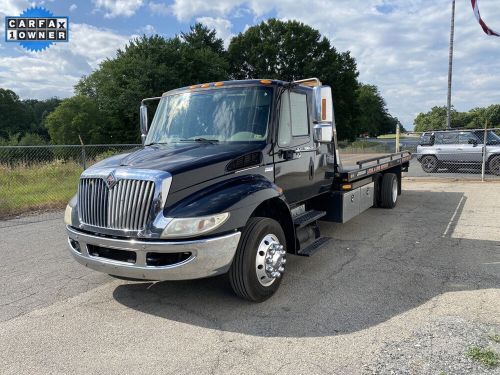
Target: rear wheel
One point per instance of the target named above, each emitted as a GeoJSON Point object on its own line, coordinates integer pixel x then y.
{"type": "Point", "coordinates": [259, 262]}
{"type": "Point", "coordinates": [389, 191]}
{"type": "Point", "coordinates": [494, 165]}
{"type": "Point", "coordinates": [429, 164]}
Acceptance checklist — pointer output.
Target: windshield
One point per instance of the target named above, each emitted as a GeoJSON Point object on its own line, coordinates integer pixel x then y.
{"type": "Point", "coordinates": [237, 114]}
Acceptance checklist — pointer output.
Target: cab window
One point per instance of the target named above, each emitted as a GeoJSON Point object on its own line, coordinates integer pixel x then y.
{"type": "Point", "coordinates": [294, 119]}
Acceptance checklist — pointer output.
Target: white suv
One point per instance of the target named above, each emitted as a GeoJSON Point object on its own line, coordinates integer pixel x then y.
{"type": "Point", "coordinates": [463, 148]}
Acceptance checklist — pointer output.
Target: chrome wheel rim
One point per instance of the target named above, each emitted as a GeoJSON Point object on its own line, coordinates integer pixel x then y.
{"type": "Point", "coordinates": [394, 190]}
{"type": "Point", "coordinates": [270, 260]}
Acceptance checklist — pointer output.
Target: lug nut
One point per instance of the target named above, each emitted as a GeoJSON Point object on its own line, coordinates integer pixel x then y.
{"type": "Point", "coordinates": [281, 269]}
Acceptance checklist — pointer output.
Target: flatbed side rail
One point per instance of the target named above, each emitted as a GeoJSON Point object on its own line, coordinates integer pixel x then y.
{"type": "Point", "coordinates": [373, 165]}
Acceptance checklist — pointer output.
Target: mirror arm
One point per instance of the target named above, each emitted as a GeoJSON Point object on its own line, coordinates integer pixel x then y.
{"type": "Point", "coordinates": [143, 116]}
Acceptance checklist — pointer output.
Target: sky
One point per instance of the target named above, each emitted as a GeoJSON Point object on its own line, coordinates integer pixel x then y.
{"type": "Point", "coordinates": [399, 46]}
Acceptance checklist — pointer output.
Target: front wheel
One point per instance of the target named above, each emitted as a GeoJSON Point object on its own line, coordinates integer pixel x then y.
{"type": "Point", "coordinates": [259, 262]}
{"type": "Point", "coordinates": [494, 165]}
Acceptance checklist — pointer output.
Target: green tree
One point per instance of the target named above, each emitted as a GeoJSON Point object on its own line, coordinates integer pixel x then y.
{"type": "Point", "coordinates": [290, 50]}
{"type": "Point", "coordinates": [147, 67]}
{"type": "Point", "coordinates": [39, 109]}
{"type": "Point", "coordinates": [476, 118]}
{"type": "Point", "coordinates": [201, 37]}
{"type": "Point", "coordinates": [435, 119]}
{"type": "Point", "coordinates": [372, 116]}
{"type": "Point", "coordinates": [14, 116]}
{"type": "Point", "coordinates": [74, 117]}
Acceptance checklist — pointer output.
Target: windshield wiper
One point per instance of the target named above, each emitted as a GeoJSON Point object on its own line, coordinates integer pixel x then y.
{"type": "Point", "coordinates": [201, 140]}
{"type": "Point", "coordinates": [156, 143]}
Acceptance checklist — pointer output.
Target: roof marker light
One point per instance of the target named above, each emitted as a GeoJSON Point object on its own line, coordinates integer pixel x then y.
{"type": "Point", "coordinates": [205, 85]}
{"type": "Point", "coordinates": [193, 86]}
{"type": "Point", "coordinates": [217, 84]}
{"type": "Point", "coordinates": [266, 81]}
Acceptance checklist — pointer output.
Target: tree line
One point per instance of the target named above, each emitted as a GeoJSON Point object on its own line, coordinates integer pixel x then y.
{"type": "Point", "coordinates": [105, 106]}
{"type": "Point", "coordinates": [476, 118]}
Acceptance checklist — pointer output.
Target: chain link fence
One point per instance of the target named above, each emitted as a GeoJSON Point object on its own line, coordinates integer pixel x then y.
{"type": "Point", "coordinates": [39, 179]}
{"type": "Point", "coordinates": [464, 154]}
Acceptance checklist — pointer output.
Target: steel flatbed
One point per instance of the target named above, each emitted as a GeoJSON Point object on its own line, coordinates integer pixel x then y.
{"type": "Point", "coordinates": [373, 165]}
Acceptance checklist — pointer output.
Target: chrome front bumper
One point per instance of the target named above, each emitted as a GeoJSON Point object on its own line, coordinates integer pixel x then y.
{"type": "Point", "coordinates": [209, 257]}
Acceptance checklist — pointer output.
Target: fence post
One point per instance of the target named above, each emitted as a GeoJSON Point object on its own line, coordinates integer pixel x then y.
{"type": "Point", "coordinates": [84, 157]}
{"type": "Point", "coordinates": [483, 168]}
{"type": "Point", "coordinates": [397, 137]}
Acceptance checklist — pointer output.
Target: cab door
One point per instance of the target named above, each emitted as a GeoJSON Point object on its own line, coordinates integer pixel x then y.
{"type": "Point", "coordinates": [294, 153]}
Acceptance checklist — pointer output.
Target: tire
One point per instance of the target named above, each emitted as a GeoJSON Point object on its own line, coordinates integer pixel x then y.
{"type": "Point", "coordinates": [249, 282]}
{"type": "Point", "coordinates": [494, 165]}
{"type": "Point", "coordinates": [429, 164]}
{"type": "Point", "coordinates": [389, 191]}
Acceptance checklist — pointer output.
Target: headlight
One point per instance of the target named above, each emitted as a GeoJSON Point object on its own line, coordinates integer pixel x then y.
{"type": "Point", "coordinates": [67, 215]}
{"type": "Point", "coordinates": [194, 226]}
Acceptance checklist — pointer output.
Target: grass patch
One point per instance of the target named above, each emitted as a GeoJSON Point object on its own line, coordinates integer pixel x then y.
{"type": "Point", "coordinates": [360, 147]}
{"type": "Point", "coordinates": [484, 356]}
{"type": "Point", "coordinates": [495, 338]}
{"type": "Point", "coordinates": [387, 136]}
{"type": "Point", "coordinates": [37, 187]}
{"type": "Point", "coordinates": [393, 136]}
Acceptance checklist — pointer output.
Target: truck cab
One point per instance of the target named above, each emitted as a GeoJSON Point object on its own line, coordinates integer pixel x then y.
{"type": "Point", "coordinates": [232, 177]}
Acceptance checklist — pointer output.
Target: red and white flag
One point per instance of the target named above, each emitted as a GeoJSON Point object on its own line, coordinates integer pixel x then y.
{"type": "Point", "coordinates": [485, 27]}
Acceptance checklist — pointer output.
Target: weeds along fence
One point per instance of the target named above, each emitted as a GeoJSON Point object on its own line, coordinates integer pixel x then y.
{"type": "Point", "coordinates": [39, 178]}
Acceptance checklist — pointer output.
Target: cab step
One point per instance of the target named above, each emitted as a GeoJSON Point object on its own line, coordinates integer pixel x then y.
{"type": "Point", "coordinates": [307, 218]}
{"type": "Point", "coordinates": [314, 247]}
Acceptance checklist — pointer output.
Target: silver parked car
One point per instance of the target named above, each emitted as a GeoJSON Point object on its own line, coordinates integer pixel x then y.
{"type": "Point", "coordinates": [458, 148]}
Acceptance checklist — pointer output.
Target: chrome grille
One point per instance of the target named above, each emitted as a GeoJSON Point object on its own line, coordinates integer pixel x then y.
{"type": "Point", "coordinates": [126, 206]}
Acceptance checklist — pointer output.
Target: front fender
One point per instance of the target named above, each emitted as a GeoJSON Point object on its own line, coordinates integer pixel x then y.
{"type": "Point", "coordinates": [239, 196]}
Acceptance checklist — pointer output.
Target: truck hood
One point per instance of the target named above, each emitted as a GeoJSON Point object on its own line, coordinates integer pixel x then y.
{"type": "Point", "coordinates": [189, 164]}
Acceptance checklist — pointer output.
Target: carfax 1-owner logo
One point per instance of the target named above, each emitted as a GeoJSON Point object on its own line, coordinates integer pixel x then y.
{"type": "Point", "coordinates": [36, 29]}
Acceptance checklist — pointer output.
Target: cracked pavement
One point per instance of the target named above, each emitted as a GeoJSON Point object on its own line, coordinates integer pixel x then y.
{"type": "Point", "coordinates": [390, 294]}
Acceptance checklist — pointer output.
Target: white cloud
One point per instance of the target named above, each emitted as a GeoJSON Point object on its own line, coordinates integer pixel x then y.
{"type": "Point", "coordinates": [56, 70]}
{"type": "Point", "coordinates": [161, 9]}
{"type": "Point", "coordinates": [13, 7]}
{"type": "Point", "coordinates": [148, 29]}
{"type": "Point", "coordinates": [402, 47]}
{"type": "Point", "coordinates": [115, 8]}
{"type": "Point", "coordinates": [73, 7]}
{"type": "Point", "coordinates": [221, 26]}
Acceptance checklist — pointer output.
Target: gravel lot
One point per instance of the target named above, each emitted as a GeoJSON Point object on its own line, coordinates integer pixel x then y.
{"type": "Point", "coordinates": [403, 291]}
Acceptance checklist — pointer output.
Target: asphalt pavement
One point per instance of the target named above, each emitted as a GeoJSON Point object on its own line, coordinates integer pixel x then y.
{"type": "Point", "coordinates": [403, 291]}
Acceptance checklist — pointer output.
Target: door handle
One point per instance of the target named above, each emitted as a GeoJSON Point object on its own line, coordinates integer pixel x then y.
{"type": "Point", "coordinates": [460, 149]}
{"type": "Point", "coordinates": [438, 149]}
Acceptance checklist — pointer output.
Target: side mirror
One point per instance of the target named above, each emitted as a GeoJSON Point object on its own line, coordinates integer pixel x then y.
{"type": "Point", "coordinates": [323, 133]}
{"type": "Point", "coordinates": [143, 119]}
{"type": "Point", "coordinates": [323, 104]}
{"type": "Point", "coordinates": [472, 142]}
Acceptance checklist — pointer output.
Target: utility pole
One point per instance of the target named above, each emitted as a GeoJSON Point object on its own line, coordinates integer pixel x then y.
{"type": "Point", "coordinates": [450, 65]}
